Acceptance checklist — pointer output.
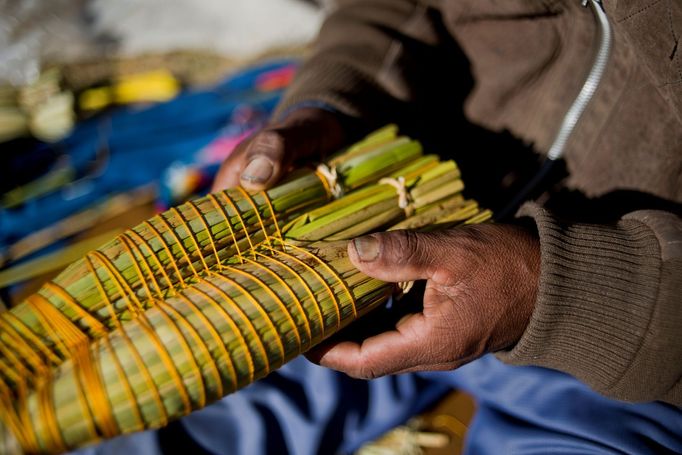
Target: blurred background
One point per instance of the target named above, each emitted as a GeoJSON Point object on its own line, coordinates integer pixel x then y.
{"type": "Point", "coordinates": [111, 111]}
{"type": "Point", "coordinates": [35, 34]}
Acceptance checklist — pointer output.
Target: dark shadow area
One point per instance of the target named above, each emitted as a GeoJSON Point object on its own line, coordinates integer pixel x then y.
{"type": "Point", "coordinates": [295, 393]}
{"type": "Point", "coordinates": [174, 439]}
{"type": "Point", "coordinates": [495, 165]}
{"type": "Point", "coordinates": [357, 405]}
{"type": "Point", "coordinates": [274, 442]}
{"type": "Point", "coordinates": [23, 160]}
{"type": "Point", "coordinates": [575, 206]}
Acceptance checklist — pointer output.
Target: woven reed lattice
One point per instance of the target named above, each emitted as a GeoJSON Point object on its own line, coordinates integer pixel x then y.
{"type": "Point", "coordinates": [185, 308]}
{"type": "Point", "coordinates": [210, 296]}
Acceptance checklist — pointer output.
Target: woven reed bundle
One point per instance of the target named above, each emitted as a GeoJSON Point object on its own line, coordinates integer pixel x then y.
{"type": "Point", "coordinates": [204, 299]}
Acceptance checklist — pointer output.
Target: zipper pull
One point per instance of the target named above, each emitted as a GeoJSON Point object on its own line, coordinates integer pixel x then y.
{"type": "Point", "coordinates": [596, 3]}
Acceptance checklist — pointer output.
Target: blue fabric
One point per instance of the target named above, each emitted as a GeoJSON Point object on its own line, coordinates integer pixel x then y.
{"type": "Point", "coordinates": [528, 410]}
{"type": "Point", "coordinates": [304, 409]}
{"type": "Point", "coordinates": [135, 145]}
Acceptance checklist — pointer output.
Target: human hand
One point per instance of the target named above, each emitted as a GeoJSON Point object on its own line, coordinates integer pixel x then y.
{"type": "Point", "coordinates": [262, 159]}
{"type": "Point", "coordinates": [480, 292]}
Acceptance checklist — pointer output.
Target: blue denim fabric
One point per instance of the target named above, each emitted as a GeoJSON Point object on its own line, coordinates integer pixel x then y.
{"type": "Point", "coordinates": [304, 409]}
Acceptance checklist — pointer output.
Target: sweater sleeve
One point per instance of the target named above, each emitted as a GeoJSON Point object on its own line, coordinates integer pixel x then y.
{"type": "Point", "coordinates": [365, 58]}
{"type": "Point", "coordinates": [609, 306]}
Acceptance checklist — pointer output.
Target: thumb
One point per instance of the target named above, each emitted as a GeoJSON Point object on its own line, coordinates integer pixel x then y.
{"type": "Point", "coordinates": [266, 158]}
{"type": "Point", "coordinates": [262, 160]}
{"type": "Point", "coordinates": [308, 133]}
{"type": "Point", "coordinates": [395, 256]}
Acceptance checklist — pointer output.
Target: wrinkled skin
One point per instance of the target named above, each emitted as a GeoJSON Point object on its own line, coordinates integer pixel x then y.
{"type": "Point", "coordinates": [265, 157]}
{"type": "Point", "coordinates": [481, 285]}
{"type": "Point", "coordinates": [481, 281]}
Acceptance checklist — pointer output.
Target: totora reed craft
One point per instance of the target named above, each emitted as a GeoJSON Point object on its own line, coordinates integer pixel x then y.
{"type": "Point", "coordinates": [202, 300]}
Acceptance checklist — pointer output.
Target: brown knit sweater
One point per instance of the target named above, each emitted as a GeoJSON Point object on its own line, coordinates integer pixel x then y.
{"type": "Point", "coordinates": [609, 308]}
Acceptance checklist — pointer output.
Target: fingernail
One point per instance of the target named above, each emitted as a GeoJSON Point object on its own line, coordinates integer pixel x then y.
{"type": "Point", "coordinates": [259, 170]}
{"type": "Point", "coordinates": [367, 248]}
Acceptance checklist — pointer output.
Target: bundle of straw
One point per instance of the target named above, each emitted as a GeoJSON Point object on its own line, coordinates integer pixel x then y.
{"type": "Point", "coordinates": [208, 297]}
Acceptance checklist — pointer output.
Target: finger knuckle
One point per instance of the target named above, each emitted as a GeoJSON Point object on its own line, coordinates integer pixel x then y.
{"type": "Point", "coordinates": [407, 245]}
{"type": "Point", "coordinates": [367, 372]}
{"type": "Point", "coordinates": [271, 143]}
{"type": "Point", "coordinates": [364, 368]}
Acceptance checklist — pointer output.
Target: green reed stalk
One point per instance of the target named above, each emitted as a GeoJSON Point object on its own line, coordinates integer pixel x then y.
{"type": "Point", "coordinates": [215, 320]}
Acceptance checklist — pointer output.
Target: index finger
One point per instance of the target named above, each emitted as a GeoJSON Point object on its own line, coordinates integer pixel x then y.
{"type": "Point", "coordinates": [389, 352]}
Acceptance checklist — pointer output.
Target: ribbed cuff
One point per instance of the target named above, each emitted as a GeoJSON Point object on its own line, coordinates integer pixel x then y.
{"type": "Point", "coordinates": [596, 299]}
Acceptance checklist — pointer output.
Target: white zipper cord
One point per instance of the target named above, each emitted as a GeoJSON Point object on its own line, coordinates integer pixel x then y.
{"type": "Point", "coordinates": [557, 149]}
{"type": "Point", "coordinates": [576, 111]}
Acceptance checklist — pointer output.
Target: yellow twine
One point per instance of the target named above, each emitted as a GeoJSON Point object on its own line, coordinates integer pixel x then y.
{"type": "Point", "coordinates": [103, 294]}
{"type": "Point", "coordinates": [58, 328]}
{"type": "Point", "coordinates": [139, 363]}
{"type": "Point", "coordinates": [328, 289]}
{"type": "Point", "coordinates": [121, 285]}
{"type": "Point", "coordinates": [135, 250]}
{"type": "Point", "coordinates": [241, 219]}
{"type": "Point", "coordinates": [272, 214]}
{"type": "Point", "coordinates": [247, 196]}
{"type": "Point", "coordinates": [16, 364]}
{"type": "Point", "coordinates": [291, 292]}
{"type": "Point", "coordinates": [122, 240]}
{"type": "Point", "coordinates": [196, 371]}
{"type": "Point", "coordinates": [178, 242]}
{"type": "Point", "coordinates": [167, 361]}
{"type": "Point", "coordinates": [137, 240]}
{"type": "Point", "coordinates": [25, 355]}
{"type": "Point", "coordinates": [330, 180]}
{"type": "Point", "coordinates": [119, 280]}
{"type": "Point", "coordinates": [404, 200]}
{"type": "Point", "coordinates": [276, 299]}
{"type": "Point", "coordinates": [149, 381]}
{"type": "Point", "coordinates": [190, 235]}
{"type": "Point", "coordinates": [46, 406]}
{"type": "Point", "coordinates": [261, 311]}
{"type": "Point", "coordinates": [21, 346]}
{"type": "Point", "coordinates": [324, 265]}
{"type": "Point", "coordinates": [95, 325]}
{"type": "Point", "coordinates": [128, 388]}
{"type": "Point", "coordinates": [222, 211]}
{"type": "Point", "coordinates": [89, 383]}
{"type": "Point", "coordinates": [209, 236]}
{"type": "Point", "coordinates": [179, 319]}
{"type": "Point", "coordinates": [230, 322]}
{"type": "Point", "coordinates": [26, 334]}
{"type": "Point", "coordinates": [171, 259]}
{"type": "Point", "coordinates": [88, 365]}
{"type": "Point", "coordinates": [19, 423]}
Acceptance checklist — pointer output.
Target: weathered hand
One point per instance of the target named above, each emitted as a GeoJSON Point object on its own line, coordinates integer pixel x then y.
{"type": "Point", "coordinates": [262, 159]}
{"type": "Point", "coordinates": [480, 292]}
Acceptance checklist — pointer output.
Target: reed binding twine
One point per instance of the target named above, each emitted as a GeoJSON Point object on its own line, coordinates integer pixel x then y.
{"type": "Point", "coordinates": [330, 177]}
{"type": "Point", "coordinates": [404, 200]}
{"type": "Point", "coordinates": [405, 203]}
{"type": "Point", "coordinates": [210, 296]}
{"type": "Point", "coordinates": [186, 336]}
